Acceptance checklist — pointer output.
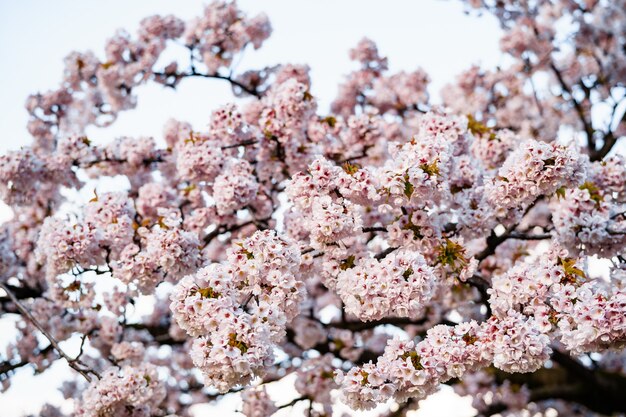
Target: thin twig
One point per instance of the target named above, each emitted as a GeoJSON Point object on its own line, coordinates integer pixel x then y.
{"type": "Point", "coordinates": [589, 130]}
{"type": "Point", "coordinates": [246, 301]}
{"type": "Point", "coordinates": [482, 286]}
{"type": "Point", "coordinates": [244, 143]}
{"type": "Point", "coordinates": [292, 402]}
{"type": "Point", "coordinates": [384, 253]}
{"type": "Point", "coordinates": [194, 73]}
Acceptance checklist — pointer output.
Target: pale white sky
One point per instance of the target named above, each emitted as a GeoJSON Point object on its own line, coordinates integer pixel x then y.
{"type": "Point", "coordinates": [35, 35]}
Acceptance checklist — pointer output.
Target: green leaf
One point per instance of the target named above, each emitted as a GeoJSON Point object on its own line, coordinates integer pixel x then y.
{"type": "Point", "coordinates": [594, 192]}
{"type": "Point", "coordinates": [408, 187]}
{"type": "Point", "coordinates": [430, 169]}
{"type": "Point", "coordinates": [347, 263]}
{"type": "Point", "coordinates": [479, 128]}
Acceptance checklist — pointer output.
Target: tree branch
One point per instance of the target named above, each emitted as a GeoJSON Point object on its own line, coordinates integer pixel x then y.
{"type": "Point", "coordinates": [384, 253]}
{"type": "Point", "coordinates": [599, 391]}
{"type": "Point", "coordinates": [74, 363]}
{"type": "Point", "coordinates": [374, 229]}
{"type": "Point", "coordinates": [292, 402]}
{"type": "Point", "coordinates": [579, 110]}
{"type": "Point", "coordinates": [194, 73]}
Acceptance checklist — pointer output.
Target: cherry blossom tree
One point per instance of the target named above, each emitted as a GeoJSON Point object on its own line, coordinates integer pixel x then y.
{"type": "Point", "coordinates": [370, 254]}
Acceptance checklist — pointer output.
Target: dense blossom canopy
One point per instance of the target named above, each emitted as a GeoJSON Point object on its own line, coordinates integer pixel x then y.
{"type": "Point", "coordinates": [366, 256]}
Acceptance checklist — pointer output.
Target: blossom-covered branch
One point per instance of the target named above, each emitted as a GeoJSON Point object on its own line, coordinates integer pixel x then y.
{"type": "Point", "coordinates": [367, 255]}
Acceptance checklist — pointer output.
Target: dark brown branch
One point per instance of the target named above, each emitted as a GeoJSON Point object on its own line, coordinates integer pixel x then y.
{"type": "Point", "coordinates": [572, 365]}
{"type": "Point", "coordinates": [21, 293]}
{"type": "Point", "coordinates": [160, 333]}
{"type": "Point", "coordinates": [609, 138]}
{"type": "Point", "coordinates": [579, 110]}
{"type": "Point", "coordinates": [374, 229]}
{"type": "Point", "coordinates": [7, 366]}
{"type": "Point", "coordinates": [292, 402]}
{"type": "Point", "coordinates": [384, 253]}
{"type": "Point", "coordinates": [356, 326]}
{"type": "Point", "coordinates": [609, 141]}
{"type": "Point", "coordinates": [482, 286]}
{"type": "Point", "coordinates": [244, 143]}
{"type": "Point", "coordinates": [221, 229]}
{"type": "Point", "coordinates": [246, 301]}
{"type": "Point", "coordinates": [493, 241]}
{"type": "Point", "coordinates": [366, 355]}
{"type": "Point", "coordinates": [599, 391]}
{"type": "Point", "coordinates": [147, 162]}
{"type": "Point", "coordinates": [194, 73]}
{"type": "Point", "coordinates": [522, 236]}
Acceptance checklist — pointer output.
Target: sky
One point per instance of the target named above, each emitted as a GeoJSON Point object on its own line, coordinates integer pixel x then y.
{"type": "Point", "coordinates": [35, 36]}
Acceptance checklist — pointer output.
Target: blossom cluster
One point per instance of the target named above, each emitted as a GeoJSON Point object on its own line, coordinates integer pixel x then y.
{"type": "Point", "coordinates": [558, 296]}
{"type": "Point", "coordinates": [238, 310]}
{"type": "Point", "coordinates": [590, 218]}
{"type": "Point", "coordinates": [223, 31]}
{"type": "Point", "coordinates": [64, 245]}
{"type": "Point", "coordinates": [485, 391]}
{"type": "Point", "coordinates": [235, 188]}
{"type": "Point", "coordinates": [535, 169]}
{"type": "Point", "coordinates": [162, 253]}
{"type": "Point", "coordinates": [399, 285]}
{"type": "Point", "coordinates": [24, 174]}
{"type": "Point", "coordinates": [256, 403]}
{"type": "Point", "coordinates": [315, 379]}
{"type": "Point", "coordinates": [127, 391]}
{"type": "Point", "coordinates": [407, 369]}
